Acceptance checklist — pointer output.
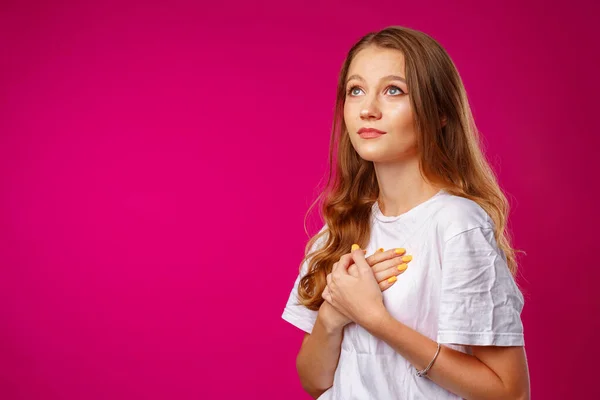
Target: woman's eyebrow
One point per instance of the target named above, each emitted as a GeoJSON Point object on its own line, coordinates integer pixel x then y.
{"type": "Point", "coordinates": [385, 78]}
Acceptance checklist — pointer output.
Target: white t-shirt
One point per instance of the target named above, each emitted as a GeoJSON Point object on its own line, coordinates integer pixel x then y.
{"type": "Point", "coordinates": [457, 291]}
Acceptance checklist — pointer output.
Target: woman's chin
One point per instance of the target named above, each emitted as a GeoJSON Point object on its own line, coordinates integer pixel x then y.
{"type": "Point", "coordinates": [374, 157]}
{"type": "Point", "coordinates": [384, 155]}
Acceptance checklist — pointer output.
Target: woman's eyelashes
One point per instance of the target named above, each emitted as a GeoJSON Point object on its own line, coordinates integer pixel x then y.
{"type": "Point", "coordinates": [392, 90]}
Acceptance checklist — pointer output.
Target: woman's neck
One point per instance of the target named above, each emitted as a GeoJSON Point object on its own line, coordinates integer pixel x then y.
{"type": "Point", "coordinates": [402, 187]}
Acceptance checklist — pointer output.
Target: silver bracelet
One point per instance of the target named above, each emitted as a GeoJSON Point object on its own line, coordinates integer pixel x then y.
{"type": "Point", "coordinates": [424, 372]}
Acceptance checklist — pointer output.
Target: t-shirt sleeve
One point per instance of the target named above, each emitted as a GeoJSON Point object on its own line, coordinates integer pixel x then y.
{"type": "Point", "coordinates": [480, 303]}
{"type": "Point", "coordinates": [294, 312]}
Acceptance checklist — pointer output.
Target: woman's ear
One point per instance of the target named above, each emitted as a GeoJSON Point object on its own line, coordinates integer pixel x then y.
{"type": "Point", "coordinates": [444, 121]}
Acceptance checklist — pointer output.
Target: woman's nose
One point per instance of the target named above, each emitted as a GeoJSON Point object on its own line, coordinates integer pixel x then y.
{"type": "Point", "coordinates": [370, 111]}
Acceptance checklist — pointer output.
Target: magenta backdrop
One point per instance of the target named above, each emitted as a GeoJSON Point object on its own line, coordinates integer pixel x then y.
{"type": "Point", "coordinates": [156, 162]}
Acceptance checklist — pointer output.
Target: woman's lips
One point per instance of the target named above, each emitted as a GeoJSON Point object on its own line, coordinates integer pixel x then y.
{"type": "Point", "coordinates": [370, 133]}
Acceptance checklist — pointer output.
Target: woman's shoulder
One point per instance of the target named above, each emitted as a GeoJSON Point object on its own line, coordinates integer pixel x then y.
{"type": "Point", "coordinates": [456, 214]}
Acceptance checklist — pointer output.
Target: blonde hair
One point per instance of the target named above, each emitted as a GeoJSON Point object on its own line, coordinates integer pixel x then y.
{"type": "Point", "coordinates": [449, 147]}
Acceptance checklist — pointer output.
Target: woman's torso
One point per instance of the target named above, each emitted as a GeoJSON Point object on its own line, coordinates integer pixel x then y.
{"type": "Point", "coordinates": [368, 367]}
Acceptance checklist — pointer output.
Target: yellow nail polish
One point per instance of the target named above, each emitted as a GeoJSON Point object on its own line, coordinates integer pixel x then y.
{"type": "Point", "coordinates": [355, 247]}
{"type": "Point", "coordinates": [400, 251]}
{"type": "Point", "coordinates": [402, 267]}
{"type": "Point", "coordinates": [406, 259]}
{"type": "Point", "coordinates": [380, 249]}
{"type": "Point", "coordinates": [392, 279]}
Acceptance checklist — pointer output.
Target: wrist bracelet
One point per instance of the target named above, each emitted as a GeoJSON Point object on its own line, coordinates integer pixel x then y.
{"type": "Point", "coordinates": [424, 372]}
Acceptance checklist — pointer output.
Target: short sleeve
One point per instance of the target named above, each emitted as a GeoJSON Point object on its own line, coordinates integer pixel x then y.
{"type": "Point", "coordinates": [480, 303]}
{"type": "Point", "coordinates": [296, 313]}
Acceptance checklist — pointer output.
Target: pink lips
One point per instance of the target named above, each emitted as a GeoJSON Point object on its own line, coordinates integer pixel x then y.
{"type": "Point", "coordinates": [370, 133]}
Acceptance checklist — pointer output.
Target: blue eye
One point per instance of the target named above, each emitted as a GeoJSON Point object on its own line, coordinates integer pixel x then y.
{"type": "Point", "coordinates": [353, 91]}
{"type": "Point", "coordinates": [396, 90]}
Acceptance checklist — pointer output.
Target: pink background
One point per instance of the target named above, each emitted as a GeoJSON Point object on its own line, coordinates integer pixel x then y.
{"type": "Point", "coordinates": [156, 162]}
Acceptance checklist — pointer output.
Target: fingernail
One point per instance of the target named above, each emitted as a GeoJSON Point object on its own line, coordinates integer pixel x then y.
{"type": "Point", "coordinates": [402, 267]}
{"type": "Point", "coordinates": [380, 250]}
{"type": "Point", "coordinates": [406, 259]}
{"type": "Point", "coordinates": [355, 247]}
{"type": "Point", "coordinates": [400, 251]}
{"type": "Point", "coordinates": [392, 279]}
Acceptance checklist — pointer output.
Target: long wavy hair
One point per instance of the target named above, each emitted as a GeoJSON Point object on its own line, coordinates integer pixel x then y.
{"type": "Point", "coordinates": [448, 144]}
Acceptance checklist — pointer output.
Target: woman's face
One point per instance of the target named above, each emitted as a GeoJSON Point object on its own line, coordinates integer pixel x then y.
{"type": "Point", "coordinates": [377, 98]}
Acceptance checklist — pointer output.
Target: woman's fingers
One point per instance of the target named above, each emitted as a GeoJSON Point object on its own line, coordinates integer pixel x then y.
{"type": "Point", "coordinates": [380, 256]}
{"type": "Point", "coordinates": [347, 262]}
{"type": "Point", "coordinates": [353, 270]}
{"type": "Point", "coordinates": [390, 272]}
{"type": "Point", "coordinates": [386, 284]}
{"type": "Point", "coordinates": [391, 259]}
{"type": "Point", "coordinates": [344, 262]}
{"type": "Point", "coordinates": [387, 265]}
{"type": "Point", "coordinates": [384, 264]}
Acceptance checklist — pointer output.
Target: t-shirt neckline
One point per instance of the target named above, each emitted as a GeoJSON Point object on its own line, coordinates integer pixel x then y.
{"type": "Point", "coordinates": [391, 218]}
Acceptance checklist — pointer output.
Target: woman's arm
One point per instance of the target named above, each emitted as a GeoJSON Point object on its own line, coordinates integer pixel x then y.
{"type": "Point", "coordinates": [320, 352]}
{"type": "Point", "coordinates": [492, 372]}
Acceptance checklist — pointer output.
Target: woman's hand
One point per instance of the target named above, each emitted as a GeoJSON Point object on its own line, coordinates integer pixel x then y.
{"type": "Point", "coordinates": [386, 266]}
{"type": "Point", "coordinates": [358, 297]}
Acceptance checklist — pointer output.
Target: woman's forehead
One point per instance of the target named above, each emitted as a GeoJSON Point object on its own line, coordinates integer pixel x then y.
{"type": "Point", "coordinates": [374, 62]}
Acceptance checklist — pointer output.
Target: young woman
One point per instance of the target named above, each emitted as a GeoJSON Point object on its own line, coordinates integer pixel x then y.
{"type": "Point", "coordinates": [433, 311]}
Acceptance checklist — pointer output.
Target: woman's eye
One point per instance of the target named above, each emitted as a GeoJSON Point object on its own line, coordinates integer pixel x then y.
{"type": "Point", "coordinates": [395, 90]}
{"type": "Point", "coordinates": [354, 91]}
